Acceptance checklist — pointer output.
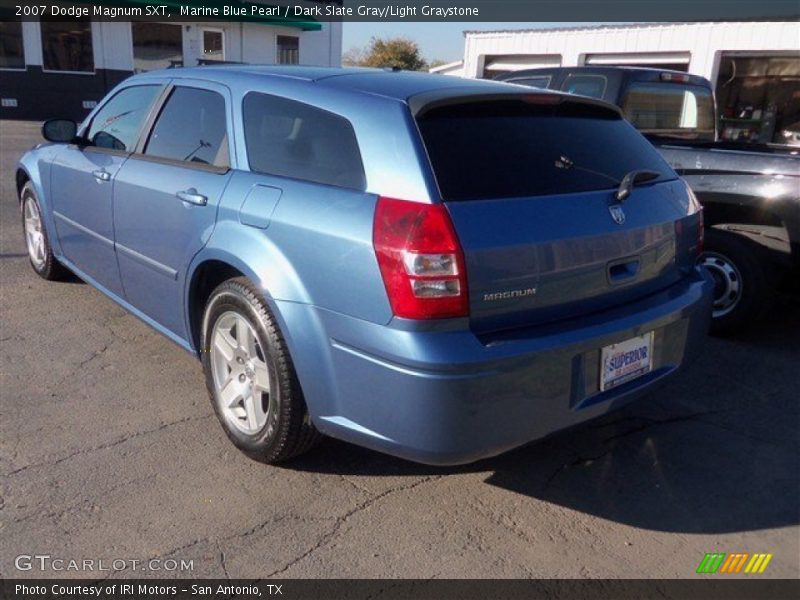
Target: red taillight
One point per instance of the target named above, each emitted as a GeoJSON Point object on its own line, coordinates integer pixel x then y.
{"type": "Point", "coordinates": [420, 260]}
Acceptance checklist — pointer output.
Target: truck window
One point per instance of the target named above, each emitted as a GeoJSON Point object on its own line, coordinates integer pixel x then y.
{"type": "Point", "coordinates": [682, 111]}
{"type": "Point", "coordinates": [538, 82]}
{"type": "Point", "coordinates": [593, 86]}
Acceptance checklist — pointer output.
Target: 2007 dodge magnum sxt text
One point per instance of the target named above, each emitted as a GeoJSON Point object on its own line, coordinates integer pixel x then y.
{"type": "Point", "coordinates": [439, 269]}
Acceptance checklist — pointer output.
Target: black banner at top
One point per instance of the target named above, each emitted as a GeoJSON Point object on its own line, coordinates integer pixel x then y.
{"type": "Point", "coordinates": [311, 11]}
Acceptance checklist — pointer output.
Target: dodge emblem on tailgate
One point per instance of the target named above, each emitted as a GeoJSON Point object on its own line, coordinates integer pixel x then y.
{"type": "Point", "coordinates": [617, 213]}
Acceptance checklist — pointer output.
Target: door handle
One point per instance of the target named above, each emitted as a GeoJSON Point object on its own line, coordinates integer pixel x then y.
{"type": "Point", "coordinates": [192, 197]}
{"type": "Point", "coordinates": [101, 175]}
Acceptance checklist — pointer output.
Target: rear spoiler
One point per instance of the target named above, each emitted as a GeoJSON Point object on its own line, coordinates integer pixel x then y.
{"type": "Point", "coordinates": [427, 101]}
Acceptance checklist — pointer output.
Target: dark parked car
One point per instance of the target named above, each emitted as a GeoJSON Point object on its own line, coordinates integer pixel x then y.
{"type": "Point", "coordinates": [437, 269]}
{"type": "Point", "coordinates": [750, 193]}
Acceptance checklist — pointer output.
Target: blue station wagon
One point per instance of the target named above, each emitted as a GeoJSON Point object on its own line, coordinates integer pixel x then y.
{"type": "Point", "coordinates": [436, 268]}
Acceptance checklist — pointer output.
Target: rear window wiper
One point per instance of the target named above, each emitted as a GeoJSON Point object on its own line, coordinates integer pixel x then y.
{"type": "Point", "coordinates": [625, 186]}
{"type": "Point", "coordinates": [632, 179]}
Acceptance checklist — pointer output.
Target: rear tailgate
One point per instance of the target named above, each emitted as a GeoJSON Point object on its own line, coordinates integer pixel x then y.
{"type": "Point", "coordinates": [540, 241]}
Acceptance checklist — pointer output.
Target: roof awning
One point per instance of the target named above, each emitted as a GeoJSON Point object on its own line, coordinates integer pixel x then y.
{"type": "Point", "coordinates": [517, 62]}
{"type": "Point", "coordinates": [252, 12]}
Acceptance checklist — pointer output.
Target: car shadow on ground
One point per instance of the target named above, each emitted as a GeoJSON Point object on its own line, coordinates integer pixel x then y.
{"type": "Point", "coordinates": [697, 456]}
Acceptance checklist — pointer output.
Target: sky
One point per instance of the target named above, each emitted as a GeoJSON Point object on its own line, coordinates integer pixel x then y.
{"type": "Point", "coordinates": [437, 41]}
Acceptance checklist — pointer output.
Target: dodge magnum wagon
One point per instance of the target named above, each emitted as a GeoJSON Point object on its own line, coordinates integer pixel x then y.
{"type": "Point", "coordinates": [434, 268]}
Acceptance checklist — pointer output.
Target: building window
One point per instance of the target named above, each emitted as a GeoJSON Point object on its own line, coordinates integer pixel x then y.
{"type": "Point", "coordinates": [213, 45]}
{"type": "Point", "coordinates": [67, 46]}
{"type": "Point", "coordinates": [12, 53]}
{"type": "Point", "coordinates": [288, 50]}
{"type": "Point", "coordinates": [156, 46]}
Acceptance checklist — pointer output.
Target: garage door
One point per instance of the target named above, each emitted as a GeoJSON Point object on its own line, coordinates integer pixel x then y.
{"type": "Point", "coordinates": [678, 61]}
{"type": "Point", "coordinates": [497, 65]}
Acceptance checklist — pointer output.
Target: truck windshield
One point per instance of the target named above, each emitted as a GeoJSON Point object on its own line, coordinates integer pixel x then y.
{"type": "Point", "coordinates": [670, 109]}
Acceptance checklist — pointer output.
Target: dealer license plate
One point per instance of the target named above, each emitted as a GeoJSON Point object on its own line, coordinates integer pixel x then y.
{"type": "Point", "coordinates": [622, 362]}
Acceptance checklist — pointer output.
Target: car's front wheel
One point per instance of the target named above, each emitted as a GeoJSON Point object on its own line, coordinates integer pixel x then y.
{"type": "Point", "coordinates": [37, 243]}
{"type": "Point", "coordinates": [250, 376]}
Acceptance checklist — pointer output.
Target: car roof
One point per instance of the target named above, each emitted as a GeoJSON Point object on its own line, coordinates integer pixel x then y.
{"type": "Point", "coordinates": [419, 90]}
{"type": "Point", "coordinates": [399, 85]}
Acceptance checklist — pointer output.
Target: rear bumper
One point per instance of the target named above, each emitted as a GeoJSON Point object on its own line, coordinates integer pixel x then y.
{"type": "Point", "coordinates": [450, 397]}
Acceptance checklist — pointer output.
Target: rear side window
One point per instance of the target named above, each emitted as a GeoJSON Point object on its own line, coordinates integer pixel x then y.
{"type": "Point", "coordinates": [511, 148]}
{"type": "Point", "coordinates": [292, 139]}
{"type": "Point", "coordinates": [192, 128]}
{"type": "Point", "coordinates": [116, 125]}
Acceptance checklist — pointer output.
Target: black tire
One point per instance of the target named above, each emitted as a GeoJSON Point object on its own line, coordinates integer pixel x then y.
{"type": "Point", "coordinates": [722, 250]}
{"type": "Point", "coordinates": [49, 269]}
{"type": "Point", "coordinates": [288, 431]}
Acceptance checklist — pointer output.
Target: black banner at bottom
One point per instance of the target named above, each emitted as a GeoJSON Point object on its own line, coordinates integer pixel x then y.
{"type": "Point", "coordinates": [712, 588]}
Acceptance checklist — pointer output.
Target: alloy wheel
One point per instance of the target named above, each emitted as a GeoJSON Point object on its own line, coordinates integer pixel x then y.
{"type": "Point", "coordinates": [240, 373]}
{"type": "Point", "coordinates": [34, 236]}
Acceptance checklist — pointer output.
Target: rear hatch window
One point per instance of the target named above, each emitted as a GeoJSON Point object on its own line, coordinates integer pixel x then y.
{"type": "Point", "coordinates": [511, 148]}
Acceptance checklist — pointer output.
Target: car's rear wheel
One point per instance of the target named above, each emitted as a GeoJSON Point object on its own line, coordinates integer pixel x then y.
{"type": "Point", "coordinates": [742, 292]}
{"type": "Point", "coordinates": [250, 376]}
{"type": "Point", "coordinates": [37, 243]}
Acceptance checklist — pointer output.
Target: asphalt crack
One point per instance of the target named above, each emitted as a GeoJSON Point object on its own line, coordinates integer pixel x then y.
{"type": "Point", "coordinates": [650, 423]}
{"type": "Point", "coordinates": [342, 520]}
{"type": "Point", "coordinates": [222, 561]}
{"type": "Point", "coordinates": [106, 445]}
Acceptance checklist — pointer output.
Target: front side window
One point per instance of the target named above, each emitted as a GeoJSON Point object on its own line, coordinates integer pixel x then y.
{"type": "Point", "coordinates": [192, 128]}
{"type": "Point", "coordinates": [67, 46]}
{"type": "Point", "coordinates": [292, 139]}
{"type": "Point", "coordinates": [288, 50]}
{"type": "Point", "coordinates": [156, 46]}
{"type": "Point", "coordinates": [117, 124]}
{"type": "Point", "coordinates": [670, 109]}
{"type": "Point", "coordinates": [593, 86]}
{"type": "Point", "coordinates": [12, 52]}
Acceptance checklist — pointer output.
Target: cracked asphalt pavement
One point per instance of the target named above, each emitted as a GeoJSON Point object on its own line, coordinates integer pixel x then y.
{"type": "Point", "coordinates": [109, 450]}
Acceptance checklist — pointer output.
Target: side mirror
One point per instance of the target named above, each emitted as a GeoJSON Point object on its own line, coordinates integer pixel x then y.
{"type": "Point", "coordinates": [59, 130]}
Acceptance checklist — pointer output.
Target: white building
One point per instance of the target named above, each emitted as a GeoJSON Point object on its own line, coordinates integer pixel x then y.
{"type": "Point", "coordinates": [63, 68]}
{"type": "Point", "coordinates": [456, 69]}
{"type": "Point", "coordinates": [754, 67]}
{"type": "Point", "coordinates": [698, 48]}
